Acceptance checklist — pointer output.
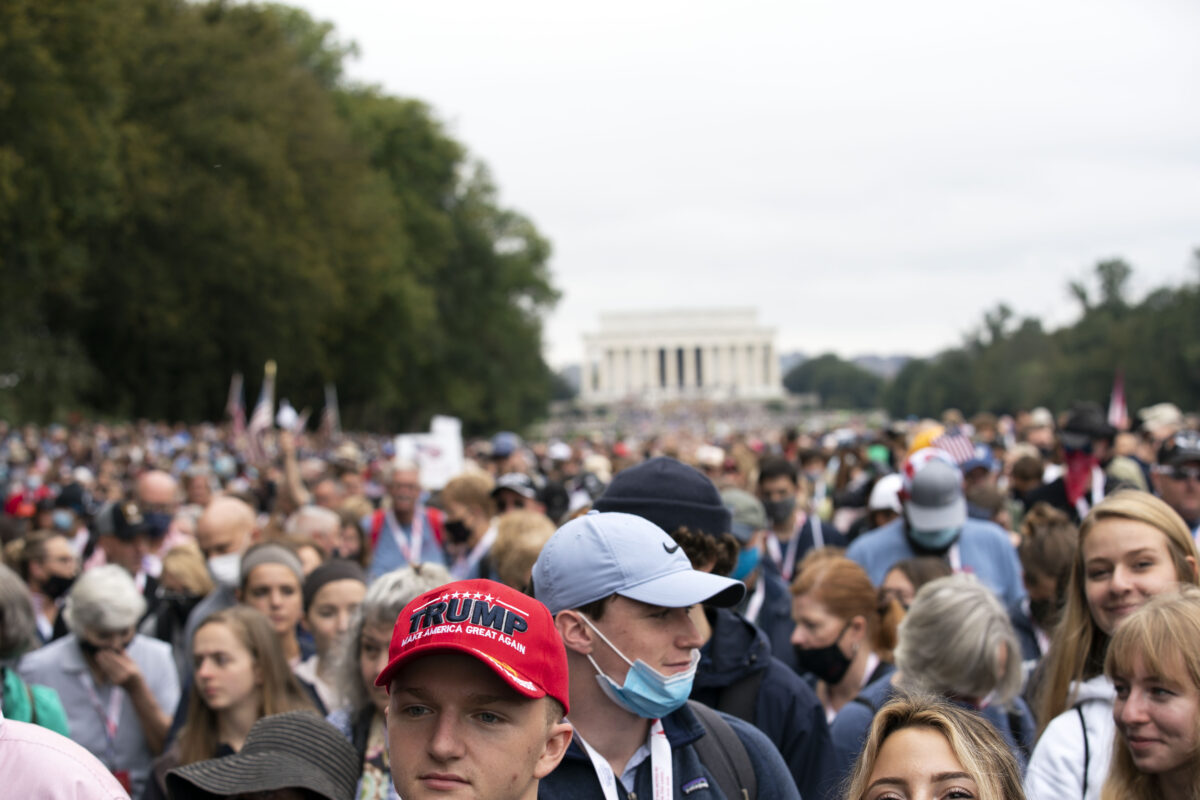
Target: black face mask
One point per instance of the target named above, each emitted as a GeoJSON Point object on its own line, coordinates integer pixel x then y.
{"type": "Point", "coordinates": [178, 604]}
{"type": "Point", "coordinates": [56, 586]}
{"type": "Point", "coordinates": [1043, 612]}
{"type": "Point", "coordinates": [828, 663]}
{"type": "Point", "coordinates": [457, 531]}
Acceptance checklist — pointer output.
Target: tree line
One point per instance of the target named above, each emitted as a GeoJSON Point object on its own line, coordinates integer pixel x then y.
{"type": "Point", "coordinates": [1010, 362]}
{"type": "Point", "coordinates": [190, 189]}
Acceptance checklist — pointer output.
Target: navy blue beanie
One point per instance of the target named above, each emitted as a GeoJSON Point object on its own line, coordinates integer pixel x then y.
{"type": "Point", "coordinates": [670, 494]}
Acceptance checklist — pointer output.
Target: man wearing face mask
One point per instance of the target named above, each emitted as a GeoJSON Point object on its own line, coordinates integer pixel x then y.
{"type": "Point", "coordinates": [935, 523]}
{"type": "Point", "coordinates": [123, 538]}
{"type": "Point", "coordinates": [620, 589]}
{"type": "Point", "coordinates": [768, 602]}
{"type": "Point", "coordinates": [224, 532]}
{"type": "Point", "coordinates": [1085, 445]}
{"type": "Point", "coordinates": [793, 533]}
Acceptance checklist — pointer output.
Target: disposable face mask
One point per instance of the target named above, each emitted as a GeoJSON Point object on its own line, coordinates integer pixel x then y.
{"type": "Point", "coordinates": [935, 541]}
{"type": "Point", "coordinates": [646, 691]}
{"type": "Point", "coordinates": [747, 562]}
{"type": "Point", "coordinates": [225, 569]}
{"type": "Point", "coordinates": [62, 519]}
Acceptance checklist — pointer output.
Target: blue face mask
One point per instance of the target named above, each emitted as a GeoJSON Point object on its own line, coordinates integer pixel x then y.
{"type": "Point", "coordinates": [747, 562]}
{"type": "Point", "coordinates": [62, 519]}
{"type": "Point", "coordinates": [937, 541]}
{"type": "Point", "coordinates": [646, 692]}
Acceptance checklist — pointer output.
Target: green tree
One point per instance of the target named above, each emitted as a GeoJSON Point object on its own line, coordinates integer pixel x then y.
{"type": "Point", "coordinates": [840, 384]}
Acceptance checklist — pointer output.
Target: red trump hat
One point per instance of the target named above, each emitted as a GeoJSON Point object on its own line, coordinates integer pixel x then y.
{"type": "Point", "coordinates": [510, 632]}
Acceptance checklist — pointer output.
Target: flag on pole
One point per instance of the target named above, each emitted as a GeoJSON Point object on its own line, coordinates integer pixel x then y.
{"type": "Point", "coordinates": [235, 406]}
{"type": "Point", "coordinates": [331, 422]}
{"type": "Point", "coordinates": [1118, 414]}
{"type": "Point", "coordinates": [260, 420]}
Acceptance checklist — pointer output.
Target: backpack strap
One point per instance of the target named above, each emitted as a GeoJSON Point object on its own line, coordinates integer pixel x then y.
{"type": "Point", "coordinates": [740, 697]}
{"type": "Point", "coordinates": [1014, 727]}
{"type": "Point", "coordinates": [1087, 752]}
{"type": "Point", "coordinates": [863, 701]}
{"type": "Point", "coordinates": [376, 527]}
{"type": "Point", "coordinates": [724, 755]}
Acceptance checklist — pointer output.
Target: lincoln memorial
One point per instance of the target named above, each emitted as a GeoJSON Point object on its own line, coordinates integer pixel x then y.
{"type": "Point", "coordinates": [653, 357]}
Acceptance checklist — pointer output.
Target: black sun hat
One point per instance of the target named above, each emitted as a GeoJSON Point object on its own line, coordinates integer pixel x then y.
{"type": "Point", "coordinates": [295, 749]}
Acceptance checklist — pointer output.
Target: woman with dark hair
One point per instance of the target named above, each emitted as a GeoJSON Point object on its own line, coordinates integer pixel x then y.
{"type": "Point", "coordinates": [21, 701]}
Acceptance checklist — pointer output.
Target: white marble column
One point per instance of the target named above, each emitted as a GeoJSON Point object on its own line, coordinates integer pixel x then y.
{"type": "Point", "coordinates": [774, 381]}
{"type": "Point", "coordinates": [672, 387]}
{"type": "Point", "coordinates": [706, 368]}
{"type": "Point", "coordinates": [689, 368]}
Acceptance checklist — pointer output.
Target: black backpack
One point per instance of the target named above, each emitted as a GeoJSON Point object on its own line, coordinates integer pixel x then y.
{"type": "Point", "coordinates": [723, 753]}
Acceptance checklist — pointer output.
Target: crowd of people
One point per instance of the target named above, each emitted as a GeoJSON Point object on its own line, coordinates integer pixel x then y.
{"type": "Point", "coordinates": [986, 607]}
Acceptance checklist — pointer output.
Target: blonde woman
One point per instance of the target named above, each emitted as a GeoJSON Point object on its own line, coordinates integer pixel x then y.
{"type": "Point", "coordinates": [1132, 546]}
{"type": "Point", "coordinates": [924, 747]}
{"type": "Point", "coordinates": [1154, 663]}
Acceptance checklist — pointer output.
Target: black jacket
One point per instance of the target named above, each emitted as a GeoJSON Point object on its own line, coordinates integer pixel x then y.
{"type": "Point", "coordinates": [785, 709]}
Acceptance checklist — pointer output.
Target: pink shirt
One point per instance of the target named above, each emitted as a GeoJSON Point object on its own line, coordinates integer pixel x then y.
{"type": "Point", "coordinates": [36, 762]}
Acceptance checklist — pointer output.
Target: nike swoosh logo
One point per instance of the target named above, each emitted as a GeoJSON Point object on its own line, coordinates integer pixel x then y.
{"type": "Point", "coordinates": [670, 549]}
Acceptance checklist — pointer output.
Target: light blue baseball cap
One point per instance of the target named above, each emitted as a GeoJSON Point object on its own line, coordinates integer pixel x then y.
{"type": "Point", "coordinates": [606, 553]}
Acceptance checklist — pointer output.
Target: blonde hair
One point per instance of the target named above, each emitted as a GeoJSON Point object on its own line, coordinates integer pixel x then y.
{"type": "Point", "coordinates": [1165, 635]}
{"type": "Point", "coordinates": [186, 563]}
{"type": "Point", "coordinates": [976, 744]}
{"type": "Point", "coordinates": [520, 537]}
{"type": "Point", "coordinates": [1077, 651]}
{"type": "Point", "coordinates": [471, 489]}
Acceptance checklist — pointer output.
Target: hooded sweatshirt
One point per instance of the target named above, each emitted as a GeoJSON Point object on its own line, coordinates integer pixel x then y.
{"type": "Point", "coordinates": [1056, 768]}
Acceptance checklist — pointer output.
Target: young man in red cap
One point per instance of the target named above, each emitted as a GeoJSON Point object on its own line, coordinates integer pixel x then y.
{"type": "Point", "coordinates": [477, 678]}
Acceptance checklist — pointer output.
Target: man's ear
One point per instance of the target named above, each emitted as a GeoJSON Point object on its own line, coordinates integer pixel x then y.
{"type": "Point", "coordinates": [575, 633]}
{"type": "Point", "coordinates": [557, 740]}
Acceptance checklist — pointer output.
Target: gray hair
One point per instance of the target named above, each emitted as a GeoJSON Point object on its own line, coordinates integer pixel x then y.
{"type": "Point", "coordinates": [18, 631]}
{"type": "Point", "coordinates": [390, 469]}
{"type": "Point", "coordinates": [308, 519]}
{"type": "Point", "coordinates": [386, 597]}
{"type": "Point", "coordinates": [104, 599]}
{"type": "Point", "coordinates": [957, 639]}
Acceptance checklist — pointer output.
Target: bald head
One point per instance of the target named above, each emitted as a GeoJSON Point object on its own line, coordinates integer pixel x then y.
{"type": "Point", "coordinates": [225, 527]}
{"type": "Point", "coordinates": [158, 491]}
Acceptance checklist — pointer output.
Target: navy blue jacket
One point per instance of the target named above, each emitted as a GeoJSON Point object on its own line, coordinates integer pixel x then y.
{"type": "Point", "coordinates": [575, 777]}
{"type": "Point", "coordinates": [786, 709]}
{"type": "Point", "coordinates": [775, 616]}
{"type": "Point", "coordinates": [852, 723]}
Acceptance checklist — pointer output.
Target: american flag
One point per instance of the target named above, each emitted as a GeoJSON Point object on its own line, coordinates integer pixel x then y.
{"type": "Point", "coordinates": [235, 406]}
{"type": "Point", "coordinates": [331, 422]}
{"type": "Point", "coordinates": [957, 444]}
{"type": "Point", "coordinates": [260, 420]}
{"type": "Point", "coordinates": [1118, 414]}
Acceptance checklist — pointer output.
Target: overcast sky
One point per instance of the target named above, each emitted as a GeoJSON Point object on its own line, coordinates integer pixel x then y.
{"type": "Point", "coordinates": [870, 175]}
